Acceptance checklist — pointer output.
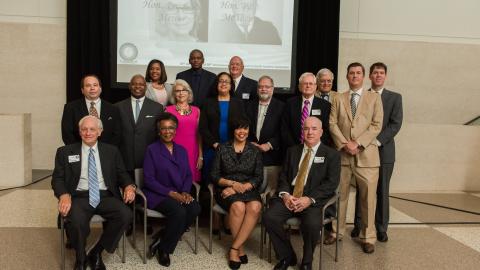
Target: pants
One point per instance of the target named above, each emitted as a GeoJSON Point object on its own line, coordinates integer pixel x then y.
{"type": "Point", "coordinates": [274, 219]}
{"type": "Point", "coordinates": [179, 217]}
{"type": "Point", "coordinates": [382, 212]}
{"type": "Point", "coordinates": [117, 215]}
{"type": "Point", "coordinates": [366, 180]}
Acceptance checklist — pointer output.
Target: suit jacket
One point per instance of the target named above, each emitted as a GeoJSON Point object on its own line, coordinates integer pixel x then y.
{"type": "Point", "coordinates": [164, 172]}
{"type": "Point", "coordinates": [323, 177]}
{"type": "Point", "coordinates": [363, 129]}
{"type": "Point", "coordinates": [210, 118]}
{"type": "Point", "coordinates": [137, 136]}
{"type": "Point", "coordinates": [246, 89]}
{"type": "Point", "coordinates": [270, 131]}
{"type": "Point", "coordinates": [331, 95]}
{"type": "Point", "coordinates": [77, 109]}
{"type": "Point", "coordinates": [392, 122]}
{"type": "Point", "coordinates": [66, 174]}
{"type": "Point", "coordinates": [291, 123]}
{"type": "Point", "coordinates": [207, 79]}
{"type": "Point", "coordinates": [262, 32]}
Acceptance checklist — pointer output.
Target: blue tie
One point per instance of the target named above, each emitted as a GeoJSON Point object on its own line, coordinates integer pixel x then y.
{"type": "Point", "coordinates": [93, 189]}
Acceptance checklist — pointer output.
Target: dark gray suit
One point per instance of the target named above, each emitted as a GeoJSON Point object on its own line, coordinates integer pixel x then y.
{"type": "Point", "coordinates": [392, 122]}
{"type": "Point", "coordinates": [201, 81]}
{"type": "Point", "coordinates": [246, 89]}
{"type": "Point", "coordinates": [137, 136]}
{"type": "Point", "coordinates": [322, 181]}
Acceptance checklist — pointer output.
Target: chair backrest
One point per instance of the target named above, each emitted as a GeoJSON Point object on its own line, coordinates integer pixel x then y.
{"type": "Point", "coordinates": [139, 178]}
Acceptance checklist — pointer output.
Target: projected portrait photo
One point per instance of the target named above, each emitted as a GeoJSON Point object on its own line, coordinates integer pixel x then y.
{"type": "Point", "coordinates": [239, 21]}
{"type": "Point", "coordinates": [181, 20]}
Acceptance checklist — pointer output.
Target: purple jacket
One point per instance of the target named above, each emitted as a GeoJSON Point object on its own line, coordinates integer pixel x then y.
{"type": "Point", "coordinates": [164, 172]}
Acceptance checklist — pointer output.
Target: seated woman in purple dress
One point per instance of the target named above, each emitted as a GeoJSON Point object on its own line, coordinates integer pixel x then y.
{"type": "Point", "coordinates": [167, 184]}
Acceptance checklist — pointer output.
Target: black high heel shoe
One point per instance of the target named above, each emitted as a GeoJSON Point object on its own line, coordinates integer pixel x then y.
{"type": "Point", "coordinates": [233, 264]}
{"type": "Point", "coordinates": [243, 259]}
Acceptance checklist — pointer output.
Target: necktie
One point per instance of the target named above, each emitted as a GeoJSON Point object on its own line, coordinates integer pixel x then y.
{"type": "Point", "coordinates": [305, 113]}
{"type": "Point", "coordinates": [324, 96]}
{"type": "Point", "coordinates": [302, 174]}
{"type": "Point", "coordinates": [93, 188]}
{"type": "Point", "coordinates": [93, 111]}
{"type": "Point", "coordinates": [137, 110]}
{"type": "Point", "coordinates": [353, 103]}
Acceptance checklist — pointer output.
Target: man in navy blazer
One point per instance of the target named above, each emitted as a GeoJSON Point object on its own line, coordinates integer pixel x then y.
{"type": "Point", "coordinates": [305, 200]}
{"type": "Point", "coordinates": [199, 79]}
{"type": "Point", "coordinates": [291, 123]}
{"type": "Point", "coordinates": [392, 122]}
{"type": "Point", "coordinates": [86, 180]}
{"type": "Point", "coordinates": [92, 104]}
{"type": "Point", "coordinates": [137, 116]}
{"type": "Point", "coordinates": [265, 114]}
{"type": "Point", "coordinates": [245, 88]}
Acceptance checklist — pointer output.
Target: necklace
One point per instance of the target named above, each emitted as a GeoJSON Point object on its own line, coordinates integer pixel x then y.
{"type": "Point", "coordinates": [186, 111]}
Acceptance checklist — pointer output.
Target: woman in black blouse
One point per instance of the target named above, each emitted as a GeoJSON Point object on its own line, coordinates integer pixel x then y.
{"type": "Point", "coordinates": [237, 172]}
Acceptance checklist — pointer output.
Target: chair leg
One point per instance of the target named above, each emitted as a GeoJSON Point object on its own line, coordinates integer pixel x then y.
{"type": "Point", "coordinates": [196, 235]}
{"type": "Point", "coordinates": [211, 224]}
{"type": "Point", "coordinates": [269, 251]}
{"type": "Point", "coordinates": [322, 236]}
{"type": "Point", "coordinates": [134, 239]}
{"type": "Point", "coordinates": [262, 232]}
{"type": "Point", "coordinates": [124, 244]}
{"type": "Point", "coordinates": [336, 242]}
{"type": "Point", "coordinates": [62, 242]}
{"type": "Point", "coordinates": [145, 235]}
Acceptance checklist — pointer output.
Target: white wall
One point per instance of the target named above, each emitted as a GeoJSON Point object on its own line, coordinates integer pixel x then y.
{"type": "Point", "coordinates": [33, 68]}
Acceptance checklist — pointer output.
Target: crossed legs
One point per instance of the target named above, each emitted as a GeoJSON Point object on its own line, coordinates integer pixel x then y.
{"type": "Point", "coordinates": [243, 217]}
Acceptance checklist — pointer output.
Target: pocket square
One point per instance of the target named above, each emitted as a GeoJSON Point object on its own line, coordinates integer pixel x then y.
{"type": "Point", "coordinates": [109, 118]}
{"type": "Point", "coordinates": [148, 116]}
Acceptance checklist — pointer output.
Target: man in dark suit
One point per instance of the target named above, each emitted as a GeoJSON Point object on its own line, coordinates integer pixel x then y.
{"type": "Point", "coordinates": [86, 181]}
{"type": "Point", "coordinates": [265, 116]}
{"type": "Point", "coordinates": [392, 122]}
{"type": "Point", "coordinates": [137, 115]}
{"type": "Point", "coordinates": [92, 104]}
{"type": "Point", "coordinates": [310, 176]}
{"type": "Point", "coordinates": [299, 107]}
{"type": "Point", "coordinates": [199, 79]}
{"type": "Point", "coordinates": [245, 88]}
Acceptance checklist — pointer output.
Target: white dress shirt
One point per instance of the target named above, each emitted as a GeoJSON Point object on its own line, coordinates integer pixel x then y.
{"type": "Point", "coordinates": [83, 182]}
{"type": "Point", "coordinates": [134, 104]}
{"type": "Point", "coordinates": [359, 93]}
{"type": "Point", "coordinates": [309, 106]}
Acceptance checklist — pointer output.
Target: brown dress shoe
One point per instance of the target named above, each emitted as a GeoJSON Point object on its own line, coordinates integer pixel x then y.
{"type": "Point", "coordinates": [368, 248]}
{"type": "Point", "coordinates": [330, 239]}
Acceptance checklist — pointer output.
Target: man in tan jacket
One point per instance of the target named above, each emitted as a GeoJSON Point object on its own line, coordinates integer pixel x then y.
{"type": "Point", "coordinates": [355, 121]}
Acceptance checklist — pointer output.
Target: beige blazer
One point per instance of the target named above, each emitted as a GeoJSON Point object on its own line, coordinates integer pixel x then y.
{"type": "Point", "coordinates": [363, 129]}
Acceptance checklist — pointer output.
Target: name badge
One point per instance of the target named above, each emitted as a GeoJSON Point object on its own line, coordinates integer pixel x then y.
{"type": "Point", "coordinates": [246, 96]}
{"type": "Point", "coordinates": [316, 112]}
{"type": "Point", "coordinates": [73, 158]}
{"type": "Point", "coordinates": [319, 160]}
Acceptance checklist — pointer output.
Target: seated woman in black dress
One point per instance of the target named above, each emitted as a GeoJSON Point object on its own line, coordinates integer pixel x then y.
{"type": "Point", "coordinates": [237, 172]}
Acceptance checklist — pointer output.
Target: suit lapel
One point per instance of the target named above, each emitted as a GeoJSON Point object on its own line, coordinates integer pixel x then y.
{"type": "Point", "coordinates": [143, 112]}
{"type": "Point", "coordinates": [311, 174]}
{"type": "Point", "coordinates": [104, 159]}
{"type": "Point", "coordinates": [128, 105]}
{"type": "Point", "coordinates": [346, 103]}
{"type": "Point", "coordinates": [254, 110]}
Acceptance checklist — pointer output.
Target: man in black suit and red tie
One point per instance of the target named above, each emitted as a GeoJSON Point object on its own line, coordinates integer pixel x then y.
{"type": "Point", "coordinates": [310, 176]}
{"type": "Point", "coordinates": [92, 104]}
{"type": "Point", "coordinates": [199, 79]}
{"type": "Point", "coordinates": [265, 114]}
{"type": "Point", "coordinates": [299, 107]}
{"type": "Point", "coordinates": [86, 180]}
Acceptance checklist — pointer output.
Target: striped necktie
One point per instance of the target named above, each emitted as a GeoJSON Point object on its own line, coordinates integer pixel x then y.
{"type": "Point", "coordinates": [353, 103]}
{"type": "Point", "coordinates": [93, 187]}
{"type": "Point", "coordinates": [305, 113]}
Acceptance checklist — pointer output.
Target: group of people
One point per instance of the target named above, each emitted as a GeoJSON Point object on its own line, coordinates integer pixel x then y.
{"type": "Point", "coordinates": [228, 130]}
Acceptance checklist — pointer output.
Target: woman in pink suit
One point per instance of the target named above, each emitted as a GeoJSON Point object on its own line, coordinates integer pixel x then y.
{"type": "Point", "coordinates": [187, 132]}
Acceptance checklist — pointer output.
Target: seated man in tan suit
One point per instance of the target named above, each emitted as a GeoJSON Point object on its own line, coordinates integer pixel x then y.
{"type": "Point", "coordinates": [355, 121]}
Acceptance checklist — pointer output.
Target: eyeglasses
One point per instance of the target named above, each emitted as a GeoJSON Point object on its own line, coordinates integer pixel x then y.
{"type": "Point", "coordinates": [172, 8]}
{"type": "Point", "coordinates": [170, 128]}
{"type": "Point", "coordinates": [264, 86]}
{"type": "Point", "coordinates": [224, 82]}
{"type": "Point", "coordinates": [179, 91]}
{"type": "Point", "coordinates": [308, 83]}
{"type": "Point", "coordinates": [326, 81]}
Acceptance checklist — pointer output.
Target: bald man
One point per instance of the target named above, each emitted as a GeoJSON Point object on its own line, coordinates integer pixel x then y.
{"type": "Point", "coordinates": [245, 88]}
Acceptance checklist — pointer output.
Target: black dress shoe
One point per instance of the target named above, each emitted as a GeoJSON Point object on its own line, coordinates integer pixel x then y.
{"type": "Point", "coordinates": [95, 261]}
{"type": "Point", "coordinates": [163, 258]}
{"type": "Point", "coordinates": [382, 236]}
{"type": "Point", "coordinates": [152, 248]}
{"type": "Point", "coordinates": [306, 266]}
{"type": "Point", "coordinates": [80, 265]}
{"type": "Point", "coordinates": [129, 230]}
{"type": "Point", "coordinates": [355, 232]}
{"type": "Point", "coordinates": [68, 244]}
{"type": "Point", "coordinates": [285, 263]}
{"type": "Point", "coordinates": [243, 259]}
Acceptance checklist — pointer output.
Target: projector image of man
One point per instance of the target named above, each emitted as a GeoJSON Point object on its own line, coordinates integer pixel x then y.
{"type": "Point", "coordinates": [242, 26]}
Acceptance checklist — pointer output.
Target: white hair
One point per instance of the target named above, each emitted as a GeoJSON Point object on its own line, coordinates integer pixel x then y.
{"type": "Point", "coordinates": [99, 122]}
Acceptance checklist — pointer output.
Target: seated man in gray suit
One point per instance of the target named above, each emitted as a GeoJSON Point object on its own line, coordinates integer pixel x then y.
{"type": "Point", "coordinates": [86, 180]}
{"type": "Point", "coordinates": [310, 176]}
{"type": "Point", "coordinates": [137, 117]}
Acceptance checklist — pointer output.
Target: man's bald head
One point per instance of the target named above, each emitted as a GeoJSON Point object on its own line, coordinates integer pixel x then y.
{"type": "Point", "coordinates": [312, 131]}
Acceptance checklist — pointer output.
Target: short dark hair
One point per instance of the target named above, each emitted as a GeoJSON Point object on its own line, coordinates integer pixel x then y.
{"type": "Point", "coordinates": [194, 51]}
{"type": "Point", "coordinates": [163, 73]}
{"type": "Point", "coordinates": [214, 90]}
{"type": "Point", "coordinates": [237, 123]}
{"type": "Point", "coordinates": [164, 117]}
{"type": "Point", "coordinates": [378, 65]}
{"type": "Point", "coordinates": [356, 64]}
{"type": "Point", "coordinates": [82, 81]}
